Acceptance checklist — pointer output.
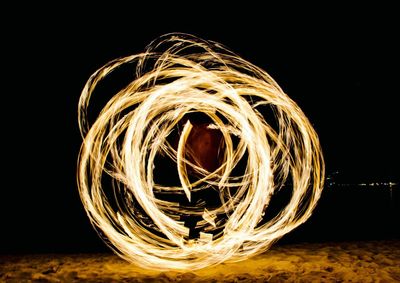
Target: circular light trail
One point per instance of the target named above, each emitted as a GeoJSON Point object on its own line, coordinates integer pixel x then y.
{"type": "Point", "coordinates": [179, 74]}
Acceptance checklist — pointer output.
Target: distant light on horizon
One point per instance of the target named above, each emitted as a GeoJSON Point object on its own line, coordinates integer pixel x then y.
{"type": "Point", "coordinates": [373, 184]}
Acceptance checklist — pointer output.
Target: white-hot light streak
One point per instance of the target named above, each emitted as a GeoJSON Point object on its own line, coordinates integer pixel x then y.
{"type": "Point", "coordinates": [176, 75]}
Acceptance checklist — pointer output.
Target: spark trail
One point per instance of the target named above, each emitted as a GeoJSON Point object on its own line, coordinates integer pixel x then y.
{"type": "Point", "coordinates": [180, 74]}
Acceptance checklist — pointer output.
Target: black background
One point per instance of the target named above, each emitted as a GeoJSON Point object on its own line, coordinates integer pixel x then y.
{"type": "Point", "coordinates": [339, 64]}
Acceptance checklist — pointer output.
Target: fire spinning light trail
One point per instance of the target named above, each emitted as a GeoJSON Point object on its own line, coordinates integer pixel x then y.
{"type": "Point", "coordinates": [176, 75]}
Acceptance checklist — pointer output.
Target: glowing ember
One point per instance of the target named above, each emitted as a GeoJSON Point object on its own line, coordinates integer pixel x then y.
{"type": "Point", "coordinates": [176, 76]}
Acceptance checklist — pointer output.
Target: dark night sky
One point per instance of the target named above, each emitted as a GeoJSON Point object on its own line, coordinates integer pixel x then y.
{"type": "Point", "coordinates": [340, 67]}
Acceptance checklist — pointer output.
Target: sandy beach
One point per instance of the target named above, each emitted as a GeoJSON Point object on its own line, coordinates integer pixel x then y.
{"type": "Point", "coordinates": [374, 261]}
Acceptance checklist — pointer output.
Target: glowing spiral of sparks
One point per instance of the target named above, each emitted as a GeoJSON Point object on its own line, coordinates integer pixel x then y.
{"type": "Point", "coordinates": [176, 75]}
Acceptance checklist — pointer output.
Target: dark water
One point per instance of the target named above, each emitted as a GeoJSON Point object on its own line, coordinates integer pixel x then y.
{"type": "Point", "coordinates": [352, 213]}
{"type": "Point", "coordinates": [342, 214]}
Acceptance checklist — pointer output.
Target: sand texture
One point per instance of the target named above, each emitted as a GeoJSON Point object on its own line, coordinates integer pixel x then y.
{"type": "Point", "coordinates": [334, 262]}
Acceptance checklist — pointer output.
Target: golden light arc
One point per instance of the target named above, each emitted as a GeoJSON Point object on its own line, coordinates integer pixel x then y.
{"type": "Point", "coordinates": [176, 75]}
